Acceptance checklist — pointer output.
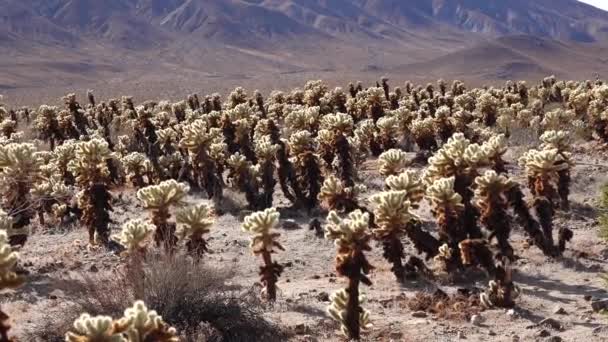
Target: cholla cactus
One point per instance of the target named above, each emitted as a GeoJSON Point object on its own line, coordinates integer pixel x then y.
{"type": "Point", "coordinates": [423, 131]}
{"type": "Point", "coordinates": [338, 310]}
{"type": "Point", "coordinates": [351, 236]}
{"type": "Point", "coordinates": [8, 278]}
{"type": "Point", "coordinates": [501, 291]}
{"type": "Point", "coordinates": [138, 325]}
{"type": "Point", "coordinates": [134, 236]}
{"type": "Point", "coordinates": [392, 215]}
{"type": "Point", "coordinates": [543, 168]}
{"type": "Point", "coordinates": [307, 168]}
{"type": "Point", "coordinates": [136, 166]}
{"type": "Point", "coordinates": [193, 224]}
{"type": "Point", "coordinates": [336, 196]}
{"type": "Point", "coordinates": [494, 150]}
{"type": "Point", "coordinates": [388, 127]}
{"type": "Point", "coordinates": [197, 139]}
{"type": "Point", "coordinates": [47, 125]}
{"type": "Point", "coordinates": [266, 153]}
{"type": "Point", "coordinates": [561, 141]}
{"type": "Point", "coordinates": [96, 329]}
{"type": "Point", "coordinates": [264, 242]}
{"type": "Point", "coordinates": [146, 325]}
{"type": "Point", "coordinates": [448, 210]}
{"type": "Point", "coordinates": [90, 167]}
{"type": "Point", "coordinates": [410, 182]}
{"type": "Point", "coordinates": [392, 162]}
{"type": "Point", "coordinates": [19, 171]}
{"type": "Point", "coordinates": [491, 199]}
{"type": "Point", "coordinates": [159, 199]}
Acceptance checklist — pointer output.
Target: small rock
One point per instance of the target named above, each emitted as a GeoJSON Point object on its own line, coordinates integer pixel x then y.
{"type": "Point", "coordinates": [396, 336]}
{"type": "Point", "coordinates": [53, 297]}
{"type": "Point", "coordinates": [308, 338]}
{"type": "Point", "coordinates": [491, 333]}
{"type": "Point", "coordinates": [599, 305]}
{"type": "Point", "coordinates": [512, 313]}
{"type": "Point", "coordinates": [477, 319]}
{"type": "Point", "coordinates": [323, 297]}
{"type": "Point", "coordinates": [316, 276]}
{"type": "Point", "coordinates": [301, 329]}
{"type": "Point", "coordinates": [515, 338]}
{"type": "Point", "coordinates": [588, 297]}
{"type": "Point", "coordinates": [543, 333]}
{"type": "Point", "coordinates": [461, 335]}
{"type": "Point", "coordinates": [551, 323]}
{"type": "Point", "coordinates": [290, 224]}
{"type": "Point", "coordinates": [554, 339]}
{"type": "Point", "coordinates": [419, 314]}
{"type": "Point", "coordinates": [558, 310]}
{"type": "Point", "coordinates": [93, 269]}
{"type": "Point", "coordinates": [288, 264]}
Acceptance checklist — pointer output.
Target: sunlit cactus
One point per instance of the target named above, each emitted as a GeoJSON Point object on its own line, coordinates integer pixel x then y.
{"type": "Point", "coordinates": [90, 167]}
{"type": "Point", "coordinates": [448, 209]}
{"type": "Point", "coordinates": [197, 139]}
{"type": "Point", "coordinates": [20, 170]}
{"type": "Point", "coordinates": [137, 165]}
{"type": "Point", "coordinates": [266, 153]}
{"type": "Point", "coordinates": [491, 198]}
{"type": "Point", "coordinates": [392, 162]}
{"type": "Point", "coordinates": [264, 242]}
{"type": "Point", "coordinates": [502, 291]}
{"type": "Point", "coordinates": [494, 150]}
{"type": "Point", "coordinates": [307, 167]}
{"type": "Point", "coordinates": [388, 129]}
{"type": "Point", "coordinates": [543, 169]}
{"type": "Point", "coordinates": [410, 182]}
{"type": "Point", "coordinates": [193, 224]}
{"type": "Point", "coordinates": [96, 329]}
{"type": "Point", "coordinates": [144, 324]}
{"type": "Point", "coordinates": [159, 199]}
{"type": "Point", "coordinates": [423, 131]}
{"type": "Point", "coordinates": [47, 125]}
{"type": "Point", "coordinates": [9, 279]}
{"type": "Point", "coordinates": [392, 215]}
{"type": "Point", "coordinates": [338, 310]}
{"type": "Point", "coordinates": [134, 236]}
{"type": "Point", "coordinates": [561, 141]}
{"type": "Point", "coordinates": [351, 236]}
{"type": "Point", "coordinates": [335, 195]}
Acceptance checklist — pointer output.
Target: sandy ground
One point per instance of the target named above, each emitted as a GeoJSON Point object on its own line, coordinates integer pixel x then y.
{"type": "Point", "coordinates": [309, 276]}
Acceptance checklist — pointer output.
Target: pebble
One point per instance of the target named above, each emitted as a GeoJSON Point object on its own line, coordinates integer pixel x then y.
{"type": "Point", "coordinates": [543, 333]}
{"type": "Point", "coordinates": [554, 339]}
{"type": "Point", "coordinates": [558, 310]}
{"type": "Point", "coordinates": [512, 313]}
{"type": "Point", "coordinates": [396, 336]}
{"type": "Point", "coordinates": [599, 305]}
{"type": "Point", "coordinates": [323, 297]}
{"type": "Point", "coordinates": [491, 333]}
{"type": "Point", "coordinates": [551, 323]}
{"type": "Point", "coordinates": [461, 335]}
{"type": "Point", "coordinates": [93, 269]}
{"type": "Point", "coordinates": [301, 329]}
{"type": "Point", "coordinates": [477, 319]}
{"type": "Point", "coordinates": [419, 314]}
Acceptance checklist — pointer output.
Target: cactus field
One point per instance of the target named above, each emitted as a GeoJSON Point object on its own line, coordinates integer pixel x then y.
{"type": "Point", "coordinates": [390, 211]}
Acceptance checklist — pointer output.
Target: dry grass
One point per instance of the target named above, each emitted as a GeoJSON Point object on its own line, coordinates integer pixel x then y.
{"type": "Point", "coordinates": [192, 297]}
{"type": "Point", "coordinates": [459, 307]}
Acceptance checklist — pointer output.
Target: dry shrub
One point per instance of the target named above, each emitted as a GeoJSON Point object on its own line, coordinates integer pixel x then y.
{"type": "Point", "coordinates": [457, 307]}
{"type": "Point", "coordinates": [192, 297]}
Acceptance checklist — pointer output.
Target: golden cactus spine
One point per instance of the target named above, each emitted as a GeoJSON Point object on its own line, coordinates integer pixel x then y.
{"type": "Point", "coordinates": [351, 236]}
{"type": "Point", "coordinates": [264, 242]}
{"type": "Point", "coordinates": [159, 199]}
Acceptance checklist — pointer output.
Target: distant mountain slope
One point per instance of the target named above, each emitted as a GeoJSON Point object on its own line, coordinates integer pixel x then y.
{"type": "Point", "coordinates": [252, 38]}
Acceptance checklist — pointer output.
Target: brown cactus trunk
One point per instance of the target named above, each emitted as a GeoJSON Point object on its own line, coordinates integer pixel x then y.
{"type": "Point", "coordinates": [422, 240]}
{"type": "Point", "coordinates": [393, 253]}
{"type": "Point", "coordinates": [353, 310]}
{"type": "Point", "coordinates": [4, 328]}
{"type": "Point", "coordinates": [165, 232]}
{"type": "Point", "coordinates": [269, 274]}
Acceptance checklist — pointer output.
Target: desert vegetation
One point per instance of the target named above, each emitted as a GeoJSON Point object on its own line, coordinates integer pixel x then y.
{"type": "Point", "coordinates": [442, 154]}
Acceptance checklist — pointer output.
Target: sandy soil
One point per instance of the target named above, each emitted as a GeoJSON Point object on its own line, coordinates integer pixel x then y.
{"type": "Point", "coordinates": [548, 285]}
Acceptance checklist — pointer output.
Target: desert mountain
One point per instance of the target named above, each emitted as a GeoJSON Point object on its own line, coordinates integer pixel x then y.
{"type": "Point", "coordinates": [68, 42]}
